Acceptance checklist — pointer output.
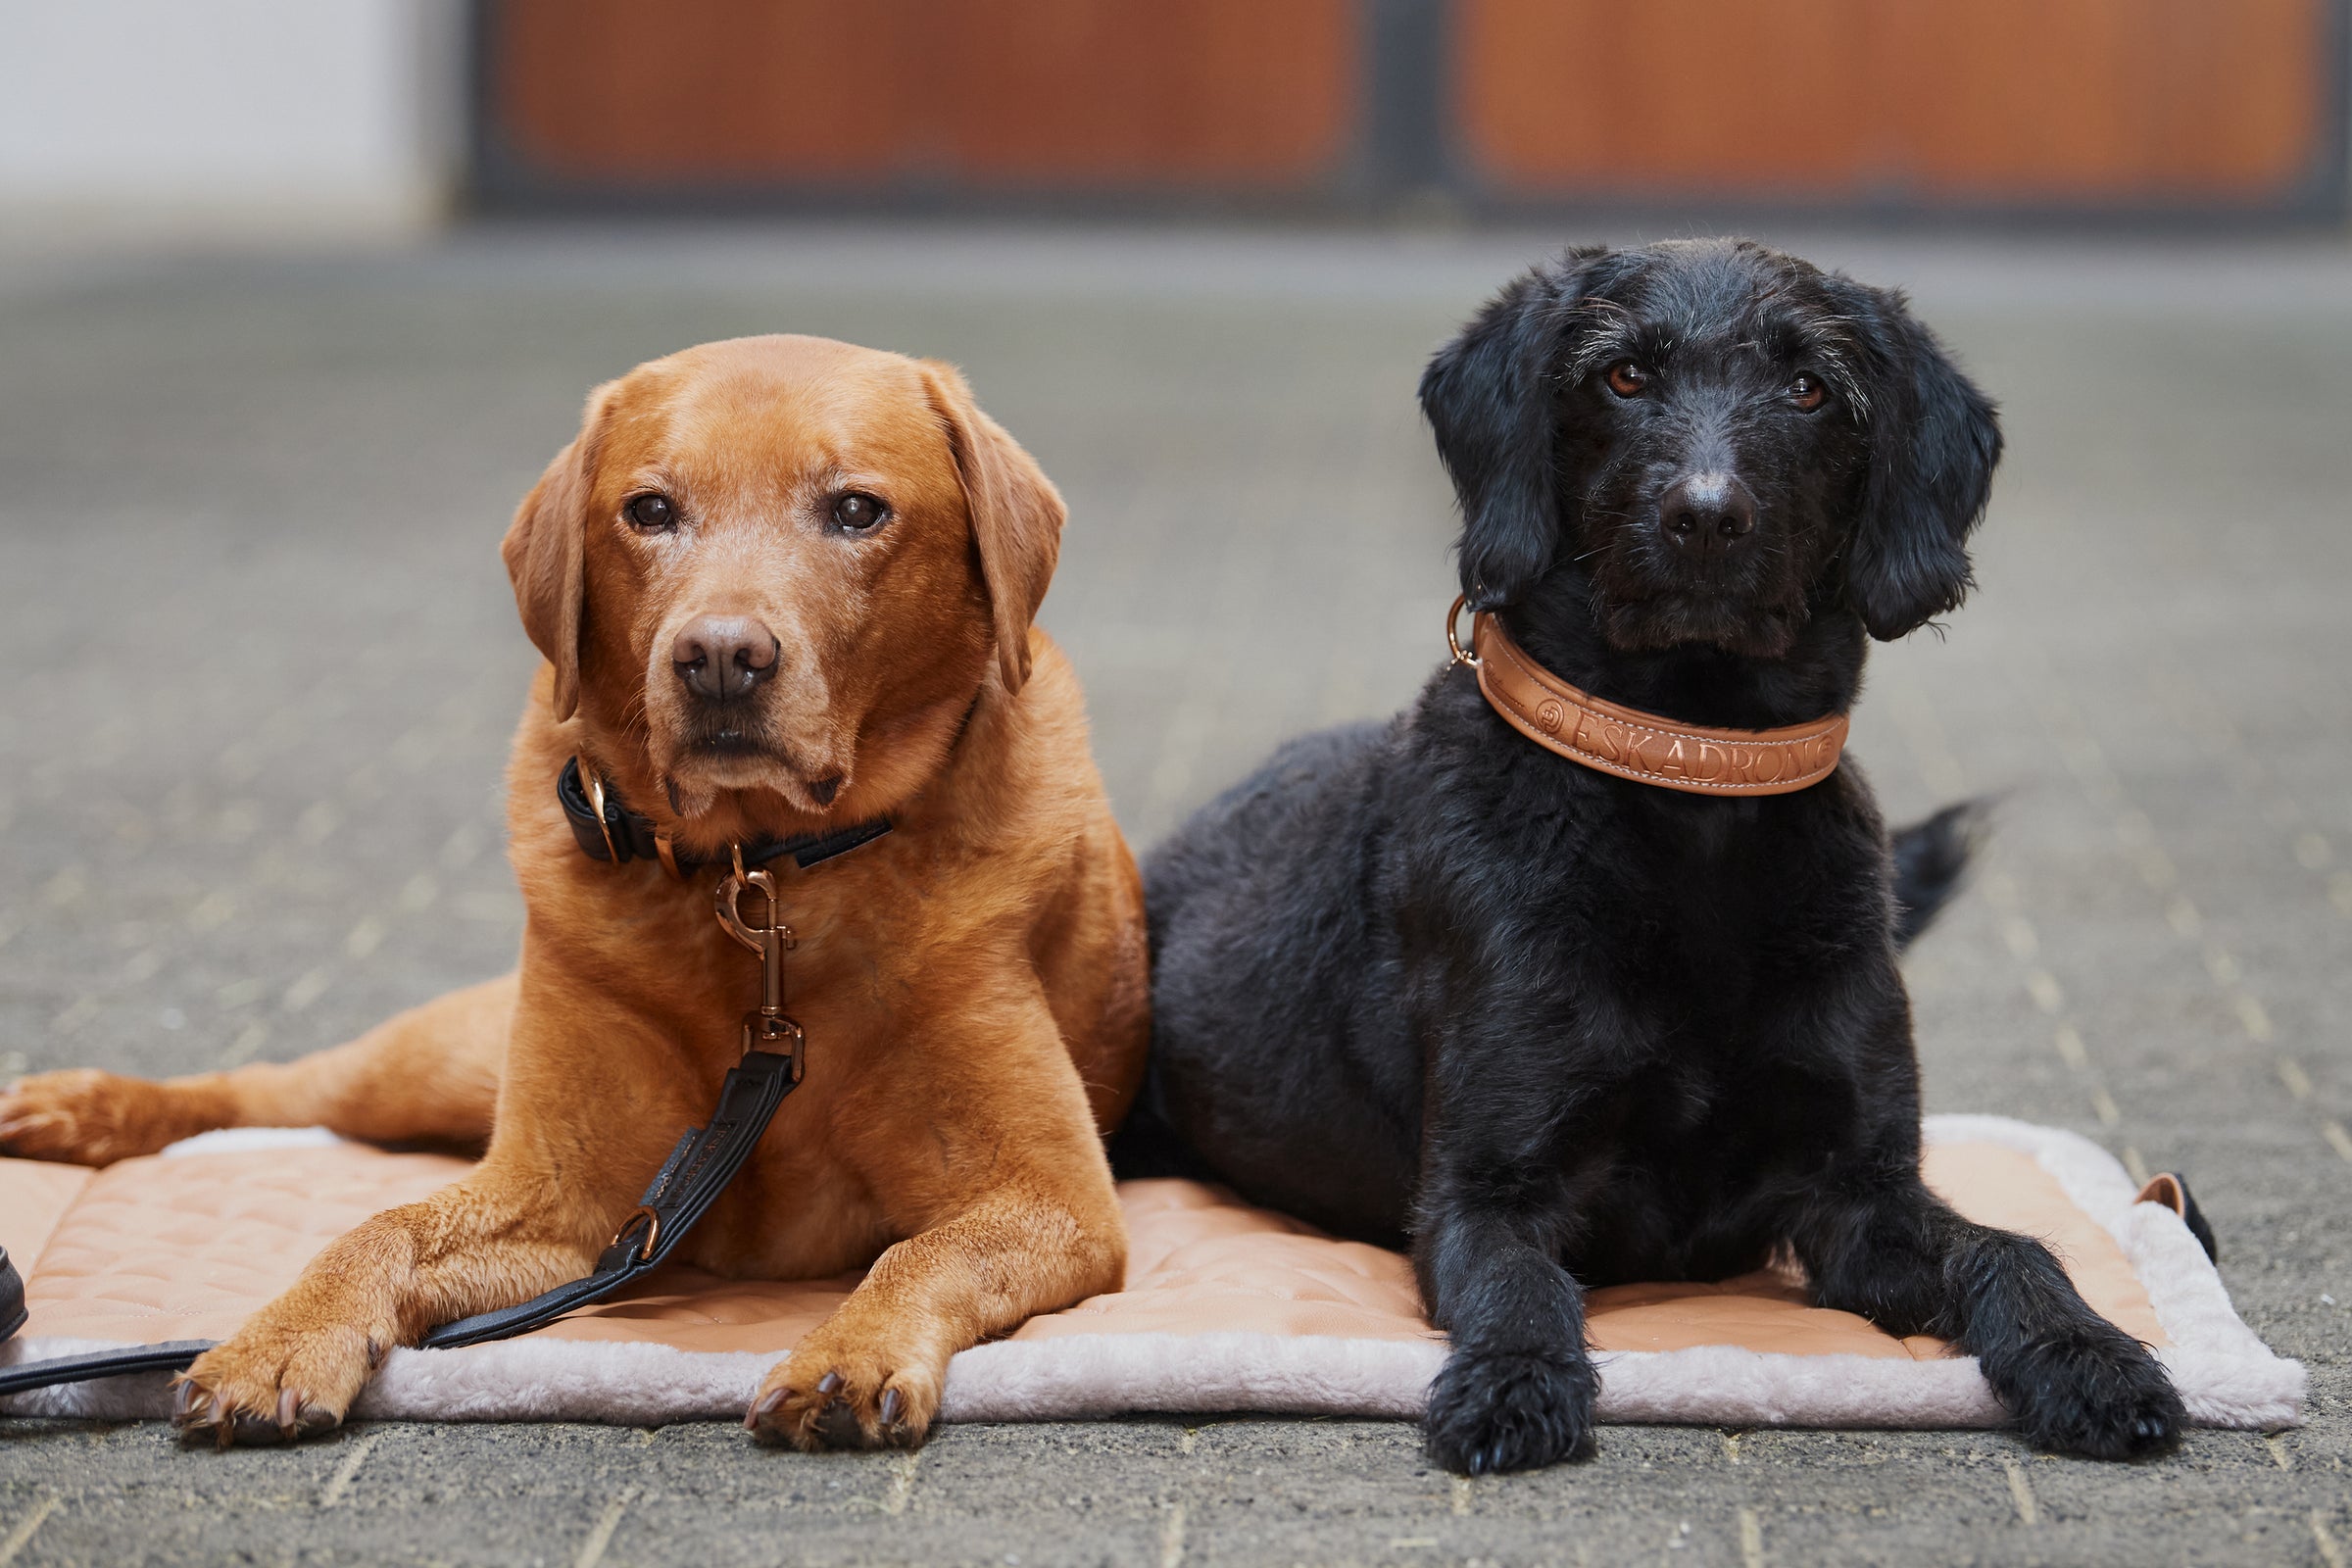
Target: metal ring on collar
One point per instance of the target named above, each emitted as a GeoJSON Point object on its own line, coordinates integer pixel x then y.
{"type": "Point", "coordinates": [1453, 646]}
{"type": "Point", "coordinates": [653, 1231]}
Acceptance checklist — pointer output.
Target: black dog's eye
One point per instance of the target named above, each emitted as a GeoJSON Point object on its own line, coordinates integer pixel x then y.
{"type": "Point", "coordinates": [1807, 393]}
{"type": "Point", "coordinates": [1626, 379]}
{"type": "Point", "coordinates": [857, 512]}
{"type": "Point", "coordinates": [652, 513]}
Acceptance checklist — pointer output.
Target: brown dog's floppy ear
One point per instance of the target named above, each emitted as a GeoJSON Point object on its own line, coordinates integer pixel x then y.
{"type": "Point", "coordinates": [1016, 515]}
{"type": "Point", "coordinates": [545, 552]}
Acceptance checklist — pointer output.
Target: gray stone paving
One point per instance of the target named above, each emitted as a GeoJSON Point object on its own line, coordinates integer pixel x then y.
{"type": "Point", "coordinates": [260, 666]}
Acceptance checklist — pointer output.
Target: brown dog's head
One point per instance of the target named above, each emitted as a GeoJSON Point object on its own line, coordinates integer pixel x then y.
{"type": "Point", "coordinates": [776, 572]}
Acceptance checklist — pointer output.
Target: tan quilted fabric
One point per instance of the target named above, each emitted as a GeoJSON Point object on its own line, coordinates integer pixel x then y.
{"type": "Point", "coordinates": [32, 1201]}
{"type": "Point", "coordinates": [155, 1249]}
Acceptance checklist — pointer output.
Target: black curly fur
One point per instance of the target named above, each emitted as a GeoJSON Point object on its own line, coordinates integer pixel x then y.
{"type": "Point", "coordinates": [1424, 981]}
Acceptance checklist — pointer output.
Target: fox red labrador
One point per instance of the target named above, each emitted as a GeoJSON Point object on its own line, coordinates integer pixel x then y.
{"type": "Point", "coordinates": [785, 588]}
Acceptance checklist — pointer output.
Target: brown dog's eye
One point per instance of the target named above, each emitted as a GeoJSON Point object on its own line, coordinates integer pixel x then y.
{"type": "Point", "coordinates": [1626, 379]}
{"type": "Point", "coordinates": [857, 512]}
{"type": "Point", "coordinates": [1807, 393]}
{"type": "Point", "coordinates": [652, 513]}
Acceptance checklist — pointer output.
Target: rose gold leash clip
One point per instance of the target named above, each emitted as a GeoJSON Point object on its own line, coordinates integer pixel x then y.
{"type": "Point", "coordinates": [766, 1028]}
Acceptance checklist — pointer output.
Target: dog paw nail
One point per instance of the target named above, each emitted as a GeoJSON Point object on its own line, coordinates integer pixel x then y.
{"type": "Point", "coordinates": [894, 1405]}
{"type": "Point", "coordinates": [828, 1382]}
{"type": "Point", "coordinates": [289, 1410]}
{"type": "Point", "coordinates": [766, 1406]}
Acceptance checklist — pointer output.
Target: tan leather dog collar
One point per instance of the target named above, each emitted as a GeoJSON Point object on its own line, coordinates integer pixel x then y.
{"type": "Point", "coordinates": [1635, 744]}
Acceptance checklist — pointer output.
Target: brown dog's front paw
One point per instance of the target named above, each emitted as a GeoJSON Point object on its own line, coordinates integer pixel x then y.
{"type": "Point", "coordinates": [271, 1384]}
{"type": "Point", "coordinates": [85, 1117]}
{"type": "Point", "coordinates": [835, 1397]}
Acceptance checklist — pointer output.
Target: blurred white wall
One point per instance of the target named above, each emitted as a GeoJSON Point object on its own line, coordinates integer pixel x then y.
{"type": "Point", "coordinates": [217, 115]}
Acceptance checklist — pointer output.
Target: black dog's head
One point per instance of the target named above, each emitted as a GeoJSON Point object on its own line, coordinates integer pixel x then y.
{"type": "Point", "coordinates": [1716, 442]}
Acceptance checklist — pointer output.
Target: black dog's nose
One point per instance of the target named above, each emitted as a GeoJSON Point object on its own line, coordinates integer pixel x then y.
{"type": "Point", "coordinates": [721, 657]}
{"type": "Point", "coordinates": [1707, 509]}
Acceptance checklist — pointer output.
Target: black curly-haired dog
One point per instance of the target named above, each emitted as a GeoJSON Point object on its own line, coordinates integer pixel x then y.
{"type": "Point", "coordinates": [1562, 1029]}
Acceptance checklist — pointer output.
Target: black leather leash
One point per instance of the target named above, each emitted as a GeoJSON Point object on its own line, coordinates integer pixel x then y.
{"type": "Point", "coordinates": [700, 1166]}
{"type": "Point", "coordinates": [699, 1169]}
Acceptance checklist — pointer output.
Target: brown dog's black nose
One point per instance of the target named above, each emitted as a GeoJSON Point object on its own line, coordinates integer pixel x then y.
{"type": "Point", "coordinates": [721, 657]}
{"type": "Point", "coordinates": [1708, 511]}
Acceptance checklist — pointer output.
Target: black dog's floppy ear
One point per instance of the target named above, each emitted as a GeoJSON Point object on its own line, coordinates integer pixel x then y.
{"type": "Point", "coordinates": [1489, 395]}
{"type": "Point", "coordinates": [1935, 441]}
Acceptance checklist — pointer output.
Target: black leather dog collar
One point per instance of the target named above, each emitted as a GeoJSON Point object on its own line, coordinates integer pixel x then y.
{"type": "Point", "coordinates": [625, 836]}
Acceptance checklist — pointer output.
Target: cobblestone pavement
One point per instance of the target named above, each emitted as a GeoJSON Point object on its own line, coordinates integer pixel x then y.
{"type": "Point", "coordinates": [261, 665]}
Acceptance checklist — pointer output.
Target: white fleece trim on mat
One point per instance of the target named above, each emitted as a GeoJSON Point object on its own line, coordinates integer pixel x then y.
{"type": "Point", "coordinates": [2227, 1375]}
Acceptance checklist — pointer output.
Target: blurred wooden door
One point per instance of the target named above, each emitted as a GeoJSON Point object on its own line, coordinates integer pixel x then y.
{"type": "Point", "coordinates": [1921, 102]}
{"type": "Point", "coordinates": [1006, 95]}
{"type": "Point", "coordinates": [2205, 105]}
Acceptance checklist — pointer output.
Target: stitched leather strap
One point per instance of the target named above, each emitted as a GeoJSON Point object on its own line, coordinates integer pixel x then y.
{"type": "Point", "coordinates": [699, 1169]}
{"type": "Point", "coordinates": [175, 1356]}
{"type": "Point", "coordinates": [1642, 747]}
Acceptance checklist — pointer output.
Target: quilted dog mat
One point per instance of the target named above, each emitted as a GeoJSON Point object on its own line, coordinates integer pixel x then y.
{"type": "Point", "coordinates": [1226, 1307]}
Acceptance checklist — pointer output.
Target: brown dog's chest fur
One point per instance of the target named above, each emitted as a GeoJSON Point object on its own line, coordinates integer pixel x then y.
{"type": "Point", "coordinates": [801, 1209]}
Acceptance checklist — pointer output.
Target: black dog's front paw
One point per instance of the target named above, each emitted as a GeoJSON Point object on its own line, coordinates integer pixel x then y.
{"type": "Point", "coordinates": [2096, 1393]}
{"type": "Point", "coordinates": [1490, 1413]}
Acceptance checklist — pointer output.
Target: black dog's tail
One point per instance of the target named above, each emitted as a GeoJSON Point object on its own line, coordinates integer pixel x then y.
{"type": "Point", "coordinates": [1930, 859]}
